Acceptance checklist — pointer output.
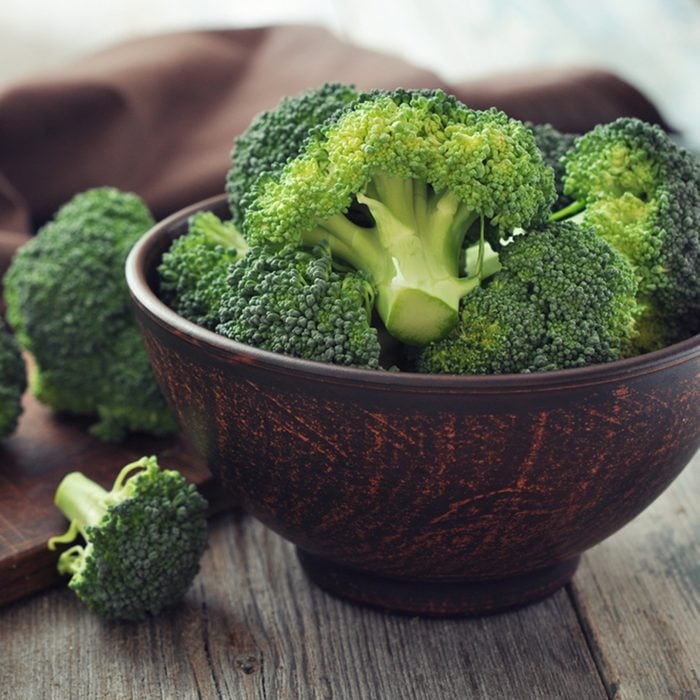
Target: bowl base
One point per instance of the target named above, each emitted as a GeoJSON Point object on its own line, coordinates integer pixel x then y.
{"type": "Point", "coordinates": [436, 598]}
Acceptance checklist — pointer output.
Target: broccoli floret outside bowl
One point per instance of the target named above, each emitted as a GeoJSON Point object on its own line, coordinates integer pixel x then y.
{"type": "Point", "coordinates": [140, 542]}
{"type": "Point", "coordinates": [431, 494]}
{"type": "Point", "coordinates": [68, 304]}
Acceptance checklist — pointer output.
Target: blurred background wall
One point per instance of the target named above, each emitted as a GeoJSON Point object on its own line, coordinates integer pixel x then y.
{"type": "Point", "coordinates": [654, 44]}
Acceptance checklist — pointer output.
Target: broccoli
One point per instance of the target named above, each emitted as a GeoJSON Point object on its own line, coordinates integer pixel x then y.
{"type": "Point", "coordinates": [397, 184]}
{"type": "Point", "coordinates": [143, 539]}
{"type": "Point", "coordinates": [193, 271]}
{"type": "Point", "coordinates": [641, 192]}
{"type": "Point", "coordinates": [563, 298]}
{"type": "Point", "coordinates": [554, 145]}
{"type": "Point", "coordinates": [393, 211]}
{"type": "Point", "coordinates": [68, 302]}
{"type": "Point", "coordinates": [277, 135]}
{"type": "Point", "coordinates": [293, 302]}
{"type": "Point", "coordinates": [13, 381]}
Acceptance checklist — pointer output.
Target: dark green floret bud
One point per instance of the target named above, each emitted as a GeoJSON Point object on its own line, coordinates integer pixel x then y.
{"type": "Point", "coordinates": [562, 299]}
{"type": "Point", "coordinates": [294, 302]}
{"type": "Point", "coordinates": [641, 192]}
{"type": "Point", "coordinates": [69, 305]}
{"type": "Point", "coordinates": [554, 145]}
{"type": "Point", "coordinates": [13, 381]}
{"type": "Point", "coordinates": [276, 135]}
{"type": "Point", "coordinates": [193, 271]}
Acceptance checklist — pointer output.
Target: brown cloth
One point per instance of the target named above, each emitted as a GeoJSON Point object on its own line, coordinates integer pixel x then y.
{"type": "Point", "coordinates": [158, 116]}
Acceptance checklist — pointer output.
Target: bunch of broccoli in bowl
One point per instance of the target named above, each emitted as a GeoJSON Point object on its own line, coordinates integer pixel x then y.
{"type": "Point", "coordinates": [404, 230]}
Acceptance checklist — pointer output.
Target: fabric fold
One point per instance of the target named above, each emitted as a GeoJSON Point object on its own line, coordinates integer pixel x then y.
{"type": "Point", "coordinates": [158, 116]}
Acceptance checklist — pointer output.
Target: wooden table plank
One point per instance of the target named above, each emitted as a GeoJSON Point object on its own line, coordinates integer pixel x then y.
{"type": "Point", "coordinates": [638, 594]}
{"type": "Point", "coordinates": [253, 627]}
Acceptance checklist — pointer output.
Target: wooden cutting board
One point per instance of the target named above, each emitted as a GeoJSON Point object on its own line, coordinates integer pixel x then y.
{"type": "Point", "coordinates": [32, 463]}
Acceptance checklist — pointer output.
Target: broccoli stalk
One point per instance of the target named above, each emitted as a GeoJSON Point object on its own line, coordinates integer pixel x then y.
{"type": "Point", "coordinates": [413, 253]}
{"type": "Point", "coordinates": [398, 184]}
{"type": "Point", "coordinates": [143, 539]}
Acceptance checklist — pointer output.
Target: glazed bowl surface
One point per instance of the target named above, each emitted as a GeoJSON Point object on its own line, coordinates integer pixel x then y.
{"type": "Point", "coordinates": [425, 494]}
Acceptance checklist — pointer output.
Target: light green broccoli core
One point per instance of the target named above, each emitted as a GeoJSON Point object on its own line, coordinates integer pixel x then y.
{"type": "Point", "coordinates": [85, 503]}
{"type": "Point", "coordinates": [412, 253]}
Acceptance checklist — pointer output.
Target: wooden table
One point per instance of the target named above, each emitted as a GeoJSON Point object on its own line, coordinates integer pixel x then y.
{"type": "Point", "coordinates": [253, 627]}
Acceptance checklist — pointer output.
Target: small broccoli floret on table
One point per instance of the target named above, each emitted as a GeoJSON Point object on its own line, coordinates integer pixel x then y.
{"type": "Point", "coordinates": [13, 381]}
{"type": "Point", "coordinates": [193, 271]}
{"type": "Point", "coordinates": [143, 539]}
{"type": "Point", "coordinates": [396, 185]}
{"type": "Point", "coordinates": [68, 303]}
{"type": "Point", "coordinates": [277, 135]}
{"type": "Point", "coordinates": [563, 298]}
{"type": "Point", "coordinates": [293, 302]}
{"type": "Point", "coordinates": [641, 192]}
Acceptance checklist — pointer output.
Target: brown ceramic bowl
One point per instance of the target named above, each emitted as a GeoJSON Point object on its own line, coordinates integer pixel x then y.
{"type": "Point", "coordinates": [422, 493]}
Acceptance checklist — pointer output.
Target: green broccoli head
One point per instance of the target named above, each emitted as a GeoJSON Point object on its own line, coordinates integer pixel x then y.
{"type": "Point", "coordinates": [68, 302]}
{"type": "Point", "coordinates": [395, 185]}
{"type": "Point", "coordinates": [641, 192]}
{"type": "Point", "coordinates": [277, 135]}
{"type": "Point", "coordinates": [293, 302]}
{"type": "Point", "coordinates": [623, 156]}
{"type": "Point", "coordinates": [563, 298]}
{"type": "Point", "coordinates": [554, 145]}
{"type": "Point", "coordinates": [193, 271]}
{"type": "Point", "coordinates": [13, 381]}
{"type": "Point", "coordinates": [143, 539]}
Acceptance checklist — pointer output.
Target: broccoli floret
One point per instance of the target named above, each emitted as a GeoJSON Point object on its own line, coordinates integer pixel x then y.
{"type": "Point", "coordinates": [641, 192]}
{"type": "Point", "coordinates": [396, 184]}
{"type": "Point", "coordinates": [193, 271]}
{"type": "Point", "coordinates": [293, 302]}
{"type": "Point", "coordinates": [143, 539]}
{"type": "Point", "coordinates": [554, 145]}
{"type": "Point", "coordinates": [277, 135]}
{"type": "Point", "coordinates": [563, 298]}
{"type": "Point", "coordinates": [13, 381]}
{"type": "Point", "coordinates": [68, 302]}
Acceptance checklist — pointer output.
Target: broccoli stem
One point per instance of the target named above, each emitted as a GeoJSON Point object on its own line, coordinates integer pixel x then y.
{"type": "Point", "coordinates": [412, 254]}
{"type": "Point", "coordinates": [82, 501]}
{"type": "Point", "coordinates": [218, 232]}
{"type": "Point", "coordinates": [574, 208]}
{"type": "Point", "coordinates": [85, 502]}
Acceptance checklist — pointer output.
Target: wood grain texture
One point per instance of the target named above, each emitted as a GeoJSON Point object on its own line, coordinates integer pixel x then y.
{"type": "Point", "coordinates": [253, 627]}
{"type": "Point", "coordinates": [639, 597]}
{"type": "Point", "coordinates": [32, 463]}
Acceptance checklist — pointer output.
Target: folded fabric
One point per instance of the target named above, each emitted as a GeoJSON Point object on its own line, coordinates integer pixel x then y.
{"type": "Point", "coordinates": [158, 116]}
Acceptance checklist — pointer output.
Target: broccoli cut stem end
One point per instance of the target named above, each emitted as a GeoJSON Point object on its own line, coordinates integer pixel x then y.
{"type": "Point", "coordinates": [82, 501]}
{"type": "Point", "coordinates": [404, 311]}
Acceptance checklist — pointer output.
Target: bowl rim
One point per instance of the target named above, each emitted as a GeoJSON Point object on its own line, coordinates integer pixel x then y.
{"type": "Point", "coordinates": [145, 297]}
